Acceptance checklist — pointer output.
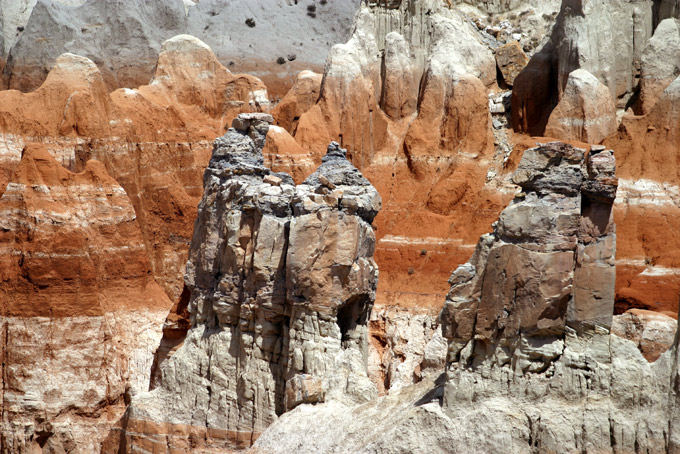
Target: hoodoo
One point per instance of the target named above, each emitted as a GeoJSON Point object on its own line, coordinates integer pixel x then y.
{"type": "Point", "coordinates": [196, 197]}
{"type": "Point", "coordinates": [282, 282]}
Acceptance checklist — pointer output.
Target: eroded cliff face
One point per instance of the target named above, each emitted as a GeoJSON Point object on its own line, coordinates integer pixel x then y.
{"type": "Point", "coordinates": [79, 309]}
{"type": "Point", "coordinates": [282, 282]}
{"type": "Point", "coordinates": [124, 38]}
{"type": "Point", "coordinates": [543, 334]}
{"type": "Point", "coordinates": [531, 361]}
{"type": "Point", "coordinates": [153, 140]}
{"type": "Point", "coordinates": [99, 191]}
{"type": "Point", "coordinates": [562, 93]}
{"type": "Point", "coordinates": [424, 97]}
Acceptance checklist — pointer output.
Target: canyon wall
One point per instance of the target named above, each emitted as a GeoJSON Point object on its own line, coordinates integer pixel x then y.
{"type": "Point", "coordinates": [124, 37]}
{"type": "Point", "coordinates": [80, 314]}
{"type": "Point", "coordinates": [158, 325]}
{"type": "Point", "coordinates": [99, 195]}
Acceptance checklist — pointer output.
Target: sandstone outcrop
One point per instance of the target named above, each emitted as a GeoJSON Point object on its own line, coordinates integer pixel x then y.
{"type": "Point", "coordinates": [614, 42]}
{"type": "Point", "coordinates": [604, 38]}
{"type": "Point", "coordinates": [273, 324]}
{"type": "Point", "coordinates": [531, 362]}
{"type": "Point", "coordinates": [547, 266]}
{"type": "Point", "coordinates": [90, 305]}
{"type": "Point", "coordinates": [300, 98]}
{"type": "Point", "coordinates": [550, 335]}
{"type": "Point", "coordinates": [586, 112]}
{"type": "Point", "coordinates": [123, 38]}
{"type": "Point", "coordinates": [80, 311]}
{"type": "Point", "coordinates": [407, 96]}
{"type": "Point", "coordinates": [282, 282]}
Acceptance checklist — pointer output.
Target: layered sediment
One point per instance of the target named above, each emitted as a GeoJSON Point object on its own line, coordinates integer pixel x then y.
{"type": "Point", "coordinates": [80, 312]}
{"type": "Point", "coordinates": [555, 342]}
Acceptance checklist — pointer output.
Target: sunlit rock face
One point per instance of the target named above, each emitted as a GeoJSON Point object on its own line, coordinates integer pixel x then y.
{"type": "Point", "coordinates": [531, 359]}
{"type": "Point", "coordinates": [549, 263]}
{"type": "Point", "coordinates": [528, 320]}
{"type": "Point", "coordinates": [282, 282]}
{"type": "Point", "coordinates": [630, 48]}
{"type": "Point", "coordinates": [80, 312]}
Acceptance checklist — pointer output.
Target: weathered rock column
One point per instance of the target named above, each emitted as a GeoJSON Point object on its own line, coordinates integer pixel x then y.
{"type": "Point", "coordinates": [282, 282]}
{"type": "Point", "coordinates": [331, 280]}
{"type": "Point", "coordinates": [549, 263]}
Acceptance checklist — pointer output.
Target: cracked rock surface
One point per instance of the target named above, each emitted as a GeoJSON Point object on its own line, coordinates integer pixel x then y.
{"type": "Point", "coordinates": [282, 282]}
{"type": "Point", "coordinates": [531, 362]}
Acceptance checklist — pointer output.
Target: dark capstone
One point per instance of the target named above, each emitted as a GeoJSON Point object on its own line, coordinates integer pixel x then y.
{"type": "Point", "coordinates": [337, 169]}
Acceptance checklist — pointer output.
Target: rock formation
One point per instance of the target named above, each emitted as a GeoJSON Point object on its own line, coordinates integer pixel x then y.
{"type": "Point", "coordinates": [282, 282]}
{"type": "Point", "coordinates": [123, 38]}
{"type": "Point", "coordinates": [604, 38]}
{"type": "Point", "coordinates": [621, 44]}
{"type": "Point", "coordinates": [152, 140]}
{"type": "Point", "coordinates": [548, 265]}
{"type": "Point", "coordinates": [531, 362]}
{"type": "Point", "coordinates": [585, 113]}
{"type": "Point", "coordinates": [407, 96]}
{"type": "Point", "coordinates": [300, 98]}
{"type": "Point", "coordinates": [275, 321]}
{"type": "Point", "coordinates": [80, 312]}
{"type": "Point", "coordinates": [86, 248]}
{"type": "Point", "coordinates": [647, 204]}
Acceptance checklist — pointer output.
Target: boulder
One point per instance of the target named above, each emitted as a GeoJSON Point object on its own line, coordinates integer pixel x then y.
{"type": "Point", "coordinates": [511, 60]}
{"type": "Point", "coordinates": [654, 333]}
{"type": "Point", "coordinates": [586, 112]}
